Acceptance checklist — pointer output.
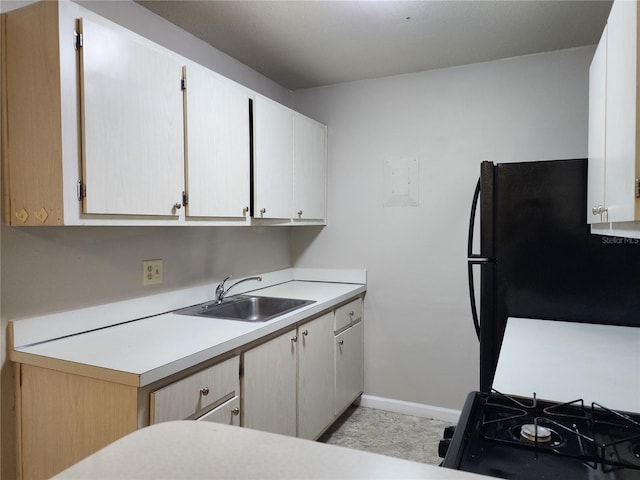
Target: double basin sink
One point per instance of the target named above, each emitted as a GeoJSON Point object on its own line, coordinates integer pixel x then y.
{"type": "Point", "coordinates": [246, 308]}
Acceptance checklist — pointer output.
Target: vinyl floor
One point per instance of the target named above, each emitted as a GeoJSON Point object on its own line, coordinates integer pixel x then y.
{"type": "Point", "coordinates": [388, 433]}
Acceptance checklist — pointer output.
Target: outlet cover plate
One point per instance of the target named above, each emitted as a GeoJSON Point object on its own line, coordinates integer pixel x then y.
{"type": "Point", "coordinates": [151, 272]}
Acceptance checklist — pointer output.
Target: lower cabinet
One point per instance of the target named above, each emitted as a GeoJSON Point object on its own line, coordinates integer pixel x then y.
{"type": "Point", "coordinates": [227, 413]}
{"type": "Point", "coordinates": [269, 385]}
{"type": "Point", "coordinates": [193, 396]}
{"type": "Point", "coordinates": [298, 383]}
{"type": "Point", "coordinates": [64, 418]}
{"type": "Point", "coordinates": [288, 381]}
{"type": "Point", "coordinates": [349, 366]}
{"type": "Point", "coordinates": [294, 384]}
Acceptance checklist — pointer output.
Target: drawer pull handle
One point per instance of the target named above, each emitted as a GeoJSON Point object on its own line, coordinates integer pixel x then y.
{"type": "Point", "coordinates": [352, 313]}
{"type": "Point", "coordinates": [204, 391]}
{"type": "Point", "coordinates": [294, 339]}
{"type": "Point", "coordinates": [235, 411]}
{"type": "Point", "coordinates": [341, 342]}
{"type": "Point", "coordinates": [305, 333]}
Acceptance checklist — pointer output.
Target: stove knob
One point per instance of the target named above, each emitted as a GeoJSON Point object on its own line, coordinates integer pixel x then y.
{"type": "Point", "coordinates": [448, 431]}
{"type": "Point", "coordinates": [443, 447]}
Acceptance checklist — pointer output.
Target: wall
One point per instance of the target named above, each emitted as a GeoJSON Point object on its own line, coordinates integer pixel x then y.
{"type": "Point", "coordinates": [420, 343]}
{"type": "Point", "coordinates": [56, 269]}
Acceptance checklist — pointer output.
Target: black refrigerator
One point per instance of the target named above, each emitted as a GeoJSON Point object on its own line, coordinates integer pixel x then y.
{"type": "Point", "coordinates": [537, 257]}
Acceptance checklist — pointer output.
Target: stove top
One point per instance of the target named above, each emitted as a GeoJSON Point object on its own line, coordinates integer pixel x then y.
{"type": "Point", "coordinates": [516, 437]}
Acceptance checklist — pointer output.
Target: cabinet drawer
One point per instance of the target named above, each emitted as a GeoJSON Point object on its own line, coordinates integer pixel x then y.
{"type": "Point", "coordinates": [227, 413]}
{"type": "Point", "coordinates": [348, 314]}
{"type": "Point", "coordinates": [186, 397]}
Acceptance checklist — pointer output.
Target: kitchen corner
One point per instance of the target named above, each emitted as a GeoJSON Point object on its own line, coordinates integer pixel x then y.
{"type": "Point", "coordinates": [124, 371]}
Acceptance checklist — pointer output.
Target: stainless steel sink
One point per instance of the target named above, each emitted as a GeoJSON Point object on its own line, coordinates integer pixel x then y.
{"type": "Point", "coordinates": [246, 308]}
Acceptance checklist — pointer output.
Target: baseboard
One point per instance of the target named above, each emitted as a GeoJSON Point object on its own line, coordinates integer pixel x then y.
{"type": "Point", "coordinates": [410, 408]}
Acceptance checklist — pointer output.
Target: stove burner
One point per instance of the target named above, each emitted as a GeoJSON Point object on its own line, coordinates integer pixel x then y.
{"type": "Point", "coordinates": [534, 433]}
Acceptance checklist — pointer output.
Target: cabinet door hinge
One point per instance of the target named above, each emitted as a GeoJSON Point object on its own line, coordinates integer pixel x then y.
{"type": "Point", "coordinates": [185, 199]}
{"type": "Point", "coordinates": [183, 83]}
{"type": "Point", "coordinates": [82, 190]}
{"type": "Point", "coordinates": [78, 39]}
{"type": "Point", "coordinates": [637, 187]}
{"type": "Point", "coordinates": [241, 371]}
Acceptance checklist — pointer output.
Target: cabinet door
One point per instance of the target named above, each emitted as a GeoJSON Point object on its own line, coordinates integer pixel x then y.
{"type": "Point", "coordinates": [597, 115]}
{"type": "Point", "coordinates": [309, 169]}
{"type": "Point", "coordinates": [132, 124]}
{"type": "Point", "coordinates": [621, 112]}
{"type": "Point", "coordinates": [349, 366]}
{"type": "Point", "coordinates": [315, 376]}
{"type": "Point", "coordinates": [217, 163]}
{"type": "Point", "coordinates": [273, 159]}
{"type": "Point", "coordinates": [269, 386]}
{"type": "Point", "coordinates": [227, 413]}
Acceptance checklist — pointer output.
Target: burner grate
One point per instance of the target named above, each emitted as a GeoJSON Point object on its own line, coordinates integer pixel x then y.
{"type": "Point", "coordinates": [596, 436]}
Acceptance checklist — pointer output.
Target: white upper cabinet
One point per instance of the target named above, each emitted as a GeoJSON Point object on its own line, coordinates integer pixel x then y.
{"type": "Point", "coordinates": [597, 116]}
{"type": "Point", "coordinates": [114, 129]}
{"type": "Point", "coordinates": [309, 169]}
{"type": "Point", "coordinates": [613, 153]}
{"type": "Point", "coordinates": [218, 153]}
{"type": "Point", "coordinates": [132, 124]}
{"type": "Point", "coordinates": [273, 159]}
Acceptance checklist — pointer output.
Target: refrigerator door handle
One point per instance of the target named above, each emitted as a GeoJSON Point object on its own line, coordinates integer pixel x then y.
{"type": "Point", "coordinates": [474, 259]}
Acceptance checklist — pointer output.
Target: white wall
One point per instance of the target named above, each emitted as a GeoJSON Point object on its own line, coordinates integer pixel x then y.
{"type": "Point", "coordinates": [420, 343]}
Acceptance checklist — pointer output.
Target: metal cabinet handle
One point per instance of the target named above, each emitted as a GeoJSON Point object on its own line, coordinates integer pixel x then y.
{"type": "Point", "coordinates": [235, 411]}
{"type": "Point", "coordinates": [263, 210]}
{"type": "Point", "coordinates": [177, 205]}
{"type": "Point", "coordinates": [300, 213]}
{"type": "Point", "coordinates": [352, 313]}
{"type": "Point", "coordinates": [294, 339]}
{"type": "Point", "coordinates": [305, 333]}
{"type": "Point", "coordinates": [204, 391]}
{"type": "Point", "coordinates": [245, 210]}
{"type": "Point", "coordinates": [340, 342]}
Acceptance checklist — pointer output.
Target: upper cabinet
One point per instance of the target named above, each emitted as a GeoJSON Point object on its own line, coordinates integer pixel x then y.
{"type": "Point", "coordinates": [218, 145]}
{"type": "Point", "coordinates": [290, 164]}
{"type": "Point", "coordinates": [614, 166]}
{"type": "Point", "coordinates": [309, 169]}
{"type": "Point", "coordinates": [132, 124]}
{"type": "Point", "coordinates": [273, 160]}
{"type": "Point", "coordinates": [103, 127]}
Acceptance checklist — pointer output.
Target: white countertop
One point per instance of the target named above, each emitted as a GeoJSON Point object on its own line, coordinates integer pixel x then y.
{"type": "Point", "coordinates": [199, 450]}
{"type": "Point", "coordinates": [143, 351]}
{"type": "Point", "coordinates": [565, 361]}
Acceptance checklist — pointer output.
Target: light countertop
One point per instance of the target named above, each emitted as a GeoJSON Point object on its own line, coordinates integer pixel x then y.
{"type": "Point", "coordinates": [203, 450]}
{"type": "Point", "coordinates": [143, 351]}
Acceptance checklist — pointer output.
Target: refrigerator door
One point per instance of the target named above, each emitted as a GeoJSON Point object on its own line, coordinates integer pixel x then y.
{"type": "Point", "coordinates": [547, 263]}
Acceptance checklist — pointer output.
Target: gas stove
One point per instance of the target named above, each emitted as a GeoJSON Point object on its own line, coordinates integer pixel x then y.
{"type": "Point", "coordinates": [527, 438]}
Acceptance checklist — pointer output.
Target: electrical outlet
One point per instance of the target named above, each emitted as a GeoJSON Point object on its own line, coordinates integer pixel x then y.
{"type": "Point", "coordinates": [151, 272]}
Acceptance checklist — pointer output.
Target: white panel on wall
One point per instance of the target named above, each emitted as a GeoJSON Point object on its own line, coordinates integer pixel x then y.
{"type": "Point", "coordinates": [401, 182]}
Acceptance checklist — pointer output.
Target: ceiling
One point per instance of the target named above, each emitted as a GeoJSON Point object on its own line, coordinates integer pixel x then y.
{"type": "Point", "coordinates": [302, 44]}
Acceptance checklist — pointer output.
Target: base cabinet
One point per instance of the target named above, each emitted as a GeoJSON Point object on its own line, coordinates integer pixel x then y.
{"type": "Point", "coordinates": [288, 381]}
{"type": "Point", "coordinates": [298, 383]}
{"type": "Point", "coordinates": [349, 366]}
{"type": "Point", "coordinates": [64, 418]}
{"type": "Point", "coordinates": [269, 385]}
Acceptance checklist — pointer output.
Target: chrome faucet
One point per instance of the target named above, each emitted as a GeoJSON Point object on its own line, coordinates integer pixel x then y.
{"type": "Point", "coordinates": [221, 291]}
